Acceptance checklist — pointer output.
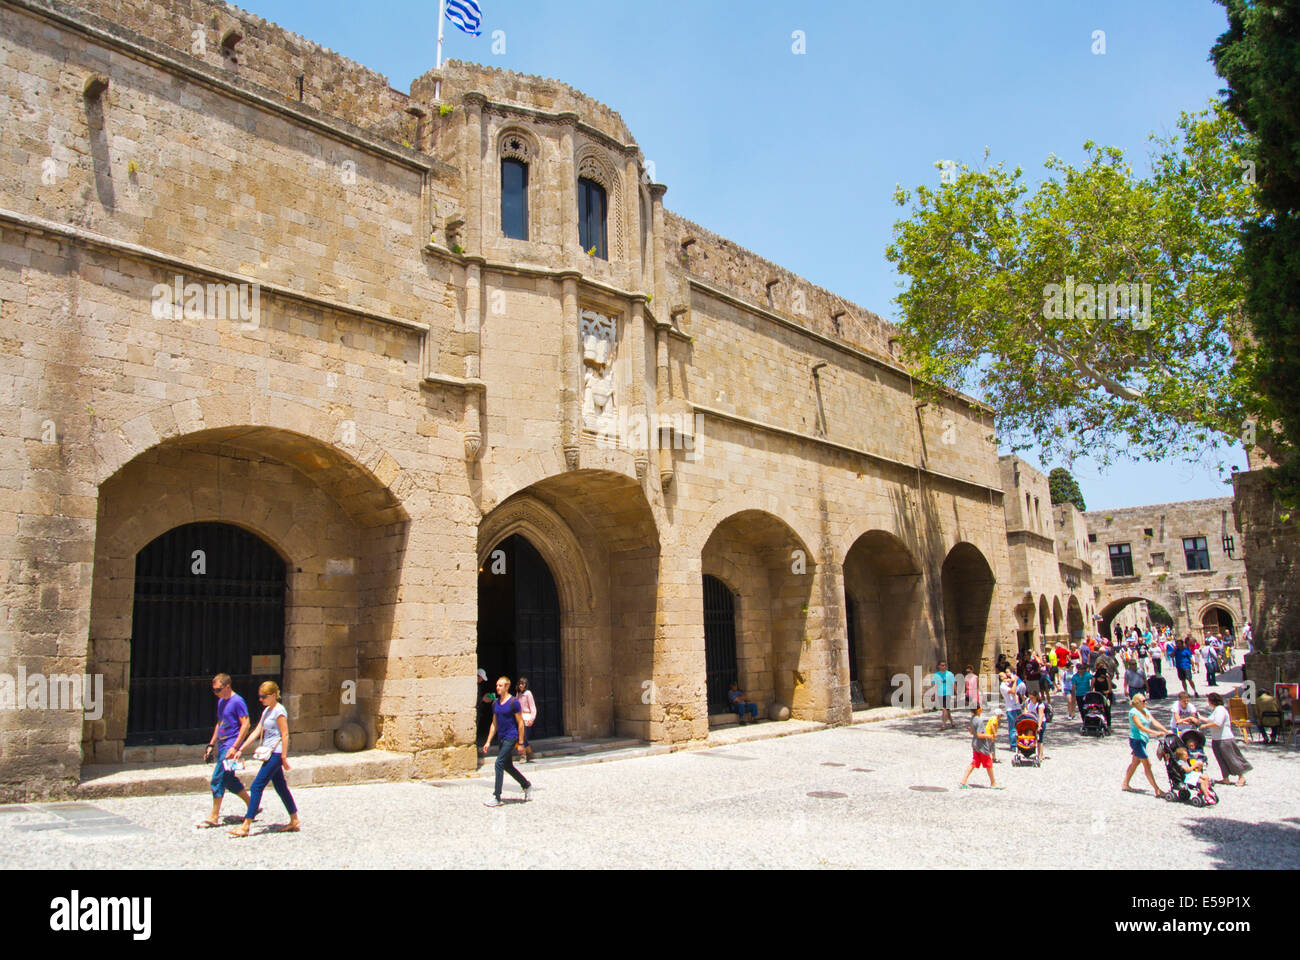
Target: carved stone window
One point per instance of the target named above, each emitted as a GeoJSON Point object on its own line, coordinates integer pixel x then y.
{"type": "Point", "coordinates": [518, 153]}
{"type": "Point", "coordinates": [595, 169]}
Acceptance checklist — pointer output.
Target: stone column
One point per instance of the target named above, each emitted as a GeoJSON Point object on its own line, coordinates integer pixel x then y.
{"type": "Point", "coordinates": [569, 369]}
{"type": "Point", "coordinates": [473, 344]}
{"type": "Point", "coordinates": [663, 394]}
{"type": "Point", "coordinates": [640, 429]}
{"type": "Point", "coordinates": [474, 121]}
{"type": "Point", "coordinates": [568, 219]}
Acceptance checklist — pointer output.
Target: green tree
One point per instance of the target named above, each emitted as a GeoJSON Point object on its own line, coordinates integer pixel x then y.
{"type": "Point", "coordinates": [1159, 614]}
{"type": "Point", "coordinates": [1065, 489]}
{"type": "Point", "coordinates": [1259, 57]}
{"type": "Point", "coordinates": [1003, 295]}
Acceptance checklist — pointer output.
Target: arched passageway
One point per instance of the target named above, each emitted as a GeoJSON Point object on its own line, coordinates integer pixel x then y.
{"type": "Point", "coordinates": [968, 586]}
{"type": "Point", "coordinates": [767, 570]}
{"type": "Point", "coordinates": [572, 602]}
{"type": "Point", "coordinates": [884, 603]}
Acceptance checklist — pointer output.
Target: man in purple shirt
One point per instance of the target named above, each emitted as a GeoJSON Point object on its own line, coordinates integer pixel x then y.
{"type": "Point", "coordinates": [232, 724]}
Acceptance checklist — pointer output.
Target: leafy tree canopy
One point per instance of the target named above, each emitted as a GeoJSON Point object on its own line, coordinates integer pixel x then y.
{"type": "Point", "coordinates": [1099, 312]}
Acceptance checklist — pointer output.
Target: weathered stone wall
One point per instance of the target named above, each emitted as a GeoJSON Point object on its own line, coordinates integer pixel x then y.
{"type": "Point", "coordinates": [727, 265]}
{"type": "Point", "coordinates": [1266, 669]}
{"type": "Point", "coordinates": [267, 55]}
{"type": "Point", "coordinates": [1272, 549]}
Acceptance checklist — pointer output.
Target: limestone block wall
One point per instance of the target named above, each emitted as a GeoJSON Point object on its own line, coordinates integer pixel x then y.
{"type": "Point", "coordinates": [1271, 546]}
{"type": "Point", "coordinates": [266, 54]}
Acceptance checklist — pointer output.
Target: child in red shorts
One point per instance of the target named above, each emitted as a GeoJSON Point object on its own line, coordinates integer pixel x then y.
{"type": "Point", "coordinates": [983, 736]}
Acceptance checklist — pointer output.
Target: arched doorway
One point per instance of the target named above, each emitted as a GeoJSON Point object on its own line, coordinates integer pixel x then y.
{"type": "Point", "coordinates": [1216, 620]}
{"type": "Point", "coordinates": [209, 599]}
{"type": "Point", "coordinates": [1056, 616]}
{"type": "Point", "coordinates": [967, 601]}
{"type": "Point", "coordinates": [1042, 617]}
{"type": "Point", "coordinates": [719, 643]}
{"type": "Point", "coordinates": [1074, 615]}
{"type": "Point", "coordinates": [519, 628]}
{"type": "Point", "coordinates": [884, 610]}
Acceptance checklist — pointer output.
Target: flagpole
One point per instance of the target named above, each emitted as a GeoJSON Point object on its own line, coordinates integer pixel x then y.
{"type": "Point", "coordinates": [442, 15]}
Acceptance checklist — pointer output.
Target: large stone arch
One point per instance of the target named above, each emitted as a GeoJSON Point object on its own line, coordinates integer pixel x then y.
{"type": "Point", "coordinates": [327, 516]}
{"type": "Point", "coordinates": [598, 536]}
{"type": "Point", "coordinates": [1075, 619]}
{"type": "Point", "coordinates": [1058, 616]}
{"type": "Point", "coordinates": [883, 586]}
{"type": "Point", "coordinates": [241, 415]}
{"type": "Point", "coordinates": [756, 554]}
{"type": "Point", "coordinates": [968, 587]}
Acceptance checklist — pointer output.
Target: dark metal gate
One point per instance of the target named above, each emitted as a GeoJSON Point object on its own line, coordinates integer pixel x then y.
{"type": "Point", "coordinates": [209, 599]}
{"type": "Point", "coordinates": [537, 635]}
{"type": "Point", "coordinates": [719, 642]}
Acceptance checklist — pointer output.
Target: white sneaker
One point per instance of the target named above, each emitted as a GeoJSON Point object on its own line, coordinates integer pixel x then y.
{"type": "Point", "coordinates": [494, 802]}
{"type": "Point", "coordinates": [528, 794]}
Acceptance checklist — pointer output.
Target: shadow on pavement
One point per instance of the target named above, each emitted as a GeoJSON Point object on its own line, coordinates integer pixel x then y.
{"type": "Point", "coordinates": [1236, 845]}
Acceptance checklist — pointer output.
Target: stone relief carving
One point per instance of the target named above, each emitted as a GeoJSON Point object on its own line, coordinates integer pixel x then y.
{"type": "Point", "coordinates": [599, 335]}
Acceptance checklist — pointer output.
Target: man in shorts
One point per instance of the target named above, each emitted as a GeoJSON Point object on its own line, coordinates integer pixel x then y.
{"type": "Point", "coordinates": [944, 681]}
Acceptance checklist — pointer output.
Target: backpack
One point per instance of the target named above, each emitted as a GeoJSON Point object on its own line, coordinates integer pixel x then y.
{"type": "Point", "coordinates": [1048, 713]}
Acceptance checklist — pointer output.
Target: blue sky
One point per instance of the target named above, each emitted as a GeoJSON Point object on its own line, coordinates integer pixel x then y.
{"type": "Point", "coordinates": [796, 156]}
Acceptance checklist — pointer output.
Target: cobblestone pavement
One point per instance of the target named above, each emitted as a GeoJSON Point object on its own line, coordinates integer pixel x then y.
{"type": "Point", "coordinates": [844, 797]}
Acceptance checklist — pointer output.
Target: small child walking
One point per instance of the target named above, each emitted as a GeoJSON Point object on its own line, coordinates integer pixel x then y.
{"type": "Point", "coordinates": [983, 735]}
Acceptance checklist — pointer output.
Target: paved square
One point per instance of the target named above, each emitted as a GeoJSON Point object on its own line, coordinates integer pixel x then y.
{"type": "Point", "coordinates": [881, 795]}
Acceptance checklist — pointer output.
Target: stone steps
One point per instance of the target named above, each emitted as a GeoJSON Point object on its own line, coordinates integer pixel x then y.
{"type": "Point", "coordinates": [554, 747]}
{"type": "Point", "coordinates": [100, 781]}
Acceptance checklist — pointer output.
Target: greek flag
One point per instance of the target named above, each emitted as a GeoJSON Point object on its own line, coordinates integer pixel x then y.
{"type": "Point", "coordinates": [466, 15]}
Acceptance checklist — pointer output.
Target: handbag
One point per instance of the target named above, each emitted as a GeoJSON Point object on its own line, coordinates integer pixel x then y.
{"type": "Point", "coordinates": [263, 752]}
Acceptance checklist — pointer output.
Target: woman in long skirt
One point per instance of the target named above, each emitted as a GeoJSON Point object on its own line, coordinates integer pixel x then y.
{"type": "Point", "coordinates": [1226, 751]}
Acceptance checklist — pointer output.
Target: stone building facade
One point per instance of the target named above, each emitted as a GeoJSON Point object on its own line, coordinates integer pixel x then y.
{"type": "Point", "coordinates": [278, 370]}
{"type": "Point", "coordinates": [1051, 575]}
{"type": "Point", "coordinates": [1188, 557]}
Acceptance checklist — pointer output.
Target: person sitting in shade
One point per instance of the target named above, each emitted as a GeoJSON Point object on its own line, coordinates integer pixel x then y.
{"type": "Point", "coordinates": [736, 697]}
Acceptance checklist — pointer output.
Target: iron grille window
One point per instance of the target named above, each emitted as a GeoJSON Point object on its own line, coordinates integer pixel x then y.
{"type": "Point", "coordinates": [1121, 560]}
{"type": "Point", "coordinates": [514, 199]}
{"type": "Point", "coordinates": [1197, 551]}
{"type": "Point", "coordinates": [592, 207]}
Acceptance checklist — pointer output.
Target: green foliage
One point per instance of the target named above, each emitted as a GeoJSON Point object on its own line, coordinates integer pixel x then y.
{"type": "Point", "coordinates": [988, 264]}
{"type": "Point", "coordinates": [1259, 57]}
{"type": "Point", "coordinates": [1159, 615]}
{"type": "Point", "coordinates": [445, 109]}
{"type": "Point", "coordinates": [1065, 489]}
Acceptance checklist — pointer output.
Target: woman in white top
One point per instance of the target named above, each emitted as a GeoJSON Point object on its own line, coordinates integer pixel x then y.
{"type": "Point", "coordinates": [1226, 751]}
{"type": "Point", "coordinates": [273, 730]}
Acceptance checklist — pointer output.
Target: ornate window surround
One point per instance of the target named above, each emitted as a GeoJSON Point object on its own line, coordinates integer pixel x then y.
{"type": "Point", "coordinates": [515, 143]}
{"type": "Point", "coordinates": [593, 163]}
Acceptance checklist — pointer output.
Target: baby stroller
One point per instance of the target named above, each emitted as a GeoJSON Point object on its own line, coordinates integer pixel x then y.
{"type": "Point", "coordinates": [1179, 790]}
{"type": "Point", "coordinates": [1093, 711]}
{"type": "Point", "coordinates": [1026, 743]}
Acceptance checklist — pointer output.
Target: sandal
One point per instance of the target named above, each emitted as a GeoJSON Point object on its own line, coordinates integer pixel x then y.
{"type": "Point", "coordinates": [237, 833]}
{"type": "Point", "coordinates": [290, 829]}
{"type": "Point", "coordinates": [208, 825]}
